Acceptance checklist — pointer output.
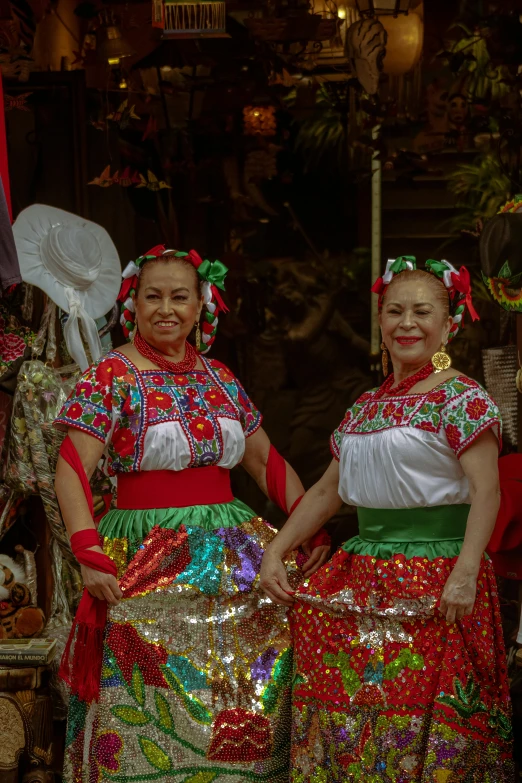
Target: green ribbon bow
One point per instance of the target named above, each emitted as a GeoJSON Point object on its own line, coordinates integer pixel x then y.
{"type": "Point", "coordinates": [214, 272]}
{"type": "Point", "coordinates": [437, 267]}
{"type": "Point", "coordinates": [400, 264]}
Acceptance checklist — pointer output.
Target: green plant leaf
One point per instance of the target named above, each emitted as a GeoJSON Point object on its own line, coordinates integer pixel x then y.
{"type": "Point", "coordinates": [138, 685]}
{"type": "Point", "coordinates": [130, 715]}
{"type": "Point", "coordinates": [192, 704]}
{"type": "Point", "coordinates": [162, 706]}
{"type": "Point", "coordinates": [155, 755]}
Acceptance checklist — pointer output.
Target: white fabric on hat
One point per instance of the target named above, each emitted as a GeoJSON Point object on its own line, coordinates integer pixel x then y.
{"type": "Point", "coordinates": [75, 262]}
{"type": "Point", "coordinates": [72, 331]}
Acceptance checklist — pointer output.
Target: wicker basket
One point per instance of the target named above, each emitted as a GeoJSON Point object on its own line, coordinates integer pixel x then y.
{"type": "Point", "coordinates": [500, 369]}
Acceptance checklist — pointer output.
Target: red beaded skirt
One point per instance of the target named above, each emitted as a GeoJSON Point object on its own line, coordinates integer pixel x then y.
{"type": "Point", "coordinates": [385, 690]}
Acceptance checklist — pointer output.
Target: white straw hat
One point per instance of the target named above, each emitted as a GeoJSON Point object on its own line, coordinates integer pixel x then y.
{"type": "Point", "coordinates": [75, 262]}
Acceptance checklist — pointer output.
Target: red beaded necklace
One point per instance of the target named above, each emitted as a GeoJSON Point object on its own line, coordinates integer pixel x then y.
{"type": "Point", "coordinates": [185, 365]}
{"type": "Point", "coordinates": [404, 386]}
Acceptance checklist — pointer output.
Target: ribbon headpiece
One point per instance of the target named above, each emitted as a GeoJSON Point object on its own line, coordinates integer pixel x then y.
{"type": "Point", "coordinates": [457, 283]}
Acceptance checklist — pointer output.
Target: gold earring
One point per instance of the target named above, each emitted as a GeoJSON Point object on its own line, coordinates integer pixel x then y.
{"type": "Point", "coordinates": [198, 336]}
{"type": "Point", "coordinates": [133, 333]}
{"type": "Point", "coordinates": [441, 360]}
{"type": "Point", "coordinates": [384, 359]}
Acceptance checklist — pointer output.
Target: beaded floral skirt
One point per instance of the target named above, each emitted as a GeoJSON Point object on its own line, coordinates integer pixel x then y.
{"type": "Point", "coordinates": [385, 691]}
{"type": "Point", "coordinates": [197, 667]}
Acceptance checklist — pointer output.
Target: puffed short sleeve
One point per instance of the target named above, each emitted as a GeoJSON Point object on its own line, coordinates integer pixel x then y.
{"type": "Point", "coordinates": [337, 436]}
{"type": "Point", "coordinates": [251, 419]}
{"type": "Point", "coordinates": [468, 413]}
{"type": "Point", "coordinates": [92, 405]}
{"type": "Point", "coordinates": [249, 416]}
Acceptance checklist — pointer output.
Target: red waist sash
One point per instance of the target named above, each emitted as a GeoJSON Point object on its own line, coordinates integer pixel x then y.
{"type": "Point", "coordinates": [174, 488]}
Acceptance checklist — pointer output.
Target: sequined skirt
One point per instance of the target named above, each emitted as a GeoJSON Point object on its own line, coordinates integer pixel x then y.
{"type": "Point", "coordinates": [197, 663]}
{"type": "Point", "coordinates": [385, 691]}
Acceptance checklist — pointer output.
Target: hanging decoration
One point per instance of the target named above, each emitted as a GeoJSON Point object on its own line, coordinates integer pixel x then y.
{"type": "Point", "coordinates": [130, 179]}
{"type": "Point", "coordinates": [259, 121]}
{"type": "Point", "coordinates": [366, 46]}
{"type": "Point", "coordinates": [16, 101]}
{"type": "Point", "coordinates": [123, 115]}
{"type": "Point", "coordinates": [190, 18]}
{"type": "Point", "coordinates": [371, 8]}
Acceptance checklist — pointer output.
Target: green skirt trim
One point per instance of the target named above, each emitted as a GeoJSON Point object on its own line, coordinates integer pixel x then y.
{"type": "Point", "coordinates": [137, 524]}
{"type": "Point", "coordinates": [436, 531]}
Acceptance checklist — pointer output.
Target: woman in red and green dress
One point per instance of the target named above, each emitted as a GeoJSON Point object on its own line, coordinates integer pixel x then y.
{"type": "Point", "coordinates": [186, 676]}
{"type": "Point", "coordinates": [400, 670]}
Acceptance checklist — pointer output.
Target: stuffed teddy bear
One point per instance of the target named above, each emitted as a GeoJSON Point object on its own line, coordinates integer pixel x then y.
{"type": "Point", "coordinates": [18, 619]}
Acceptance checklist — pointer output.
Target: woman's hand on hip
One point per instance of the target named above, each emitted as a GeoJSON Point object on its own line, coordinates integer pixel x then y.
{"type": "Point", "coordinates": [458, 596]}
{"type": "Point", "coordinates": [274, 580]}
{"type": "Point", "coordinates": [100, 585]}
{"type": "Point", "coordinates": [318, 557]}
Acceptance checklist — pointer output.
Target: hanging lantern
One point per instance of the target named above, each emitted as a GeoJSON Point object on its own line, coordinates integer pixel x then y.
{"type": "Point", "coordinates": [111, 46]}
{"type": "Point", "coordinates": [404, 44]}
{"type": "Point", "coordinates": [190, 18]}
{"type": "Point", "coordinates": [259, 121]}
{"type": "Point", "coordinates": [382, 7]}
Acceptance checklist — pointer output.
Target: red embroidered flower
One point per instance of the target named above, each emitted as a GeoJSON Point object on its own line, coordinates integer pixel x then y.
{"type": "Point", "coordinates": [107, 401]}
{"type": "Point", "coordinates": [123, 442]}
{"type": "Point", "coordinates": [428, 426]}
{"type": "Point", "coordinates": [12, 347]}
{"type": "Point", "coordinates": [85, 388]}
{"type": "Point", "coordinates": [437, 396]}
{"type": "Point", "coordinates": [158, 380]}
{"type": "Point", "coordinates": [75, 411]}
{"type": "Point", "coordinates": [240, 736]}
{"type": "Point", "coordinates": [101, 422]}
{"type": "Point", "coordinates": [476, 408]}
{"type": "Point", "coordinates": [130, 379]}
{"type": "Point", "coordinates": [225, 374]}
{"type": "Point", "coordinates": [127, 406]}
{"type": "Point", "coordinates": [109, 369]}
{"type": "Point", "coordinates": [389, 410]}
{"type": "Point", "coordinates": [180, 380]}
{"type": "Point", "coordinates": [159, 400]}
{"type": "Point", "coordinates": [453, 436]}
{"type": "Point", "coordinates": [201, 428]}
{"type": "Point", "coordinates": [215, 398]}
{"type": "Point", "coordinates": [372, 413]}
{"type": "Point", "coordinates": [398, 413]}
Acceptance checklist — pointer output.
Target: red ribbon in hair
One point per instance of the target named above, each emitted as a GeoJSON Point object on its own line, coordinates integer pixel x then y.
{"type": "Point", "coordinates": [462, 284]}
{"type": "Point", "coordinates": [82, 670]}
{"type": "Point", "coordinates": [379, 286]}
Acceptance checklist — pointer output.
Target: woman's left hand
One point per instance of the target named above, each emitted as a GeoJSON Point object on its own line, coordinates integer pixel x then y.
{"type": "Point", "coordinates": [317, 558]}
{"type": "Point", "coordinates": [458, 596]}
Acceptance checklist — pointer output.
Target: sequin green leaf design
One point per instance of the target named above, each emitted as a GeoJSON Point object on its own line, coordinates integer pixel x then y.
{"type": "Point", "coordinates": [498, 720]}
{"type": "Point", "coordinates": [193, 705]}
{"type": "Point", "coordinates": [155, 755]}
{"type": "Point", "coordinates": [350, 678]}
{"type": "Point", "coordinates": [162, 706]}
{"type": "Point", "coordinates": [130, 715]}
{"type": "Point", "coordinates": [405, 660]}
{"type": "Point", "coordinates": [466, 701]}
{"type": "Point", "coordinates": [138, 685]}
{"type": "Point", "coordinates": [281, 679]}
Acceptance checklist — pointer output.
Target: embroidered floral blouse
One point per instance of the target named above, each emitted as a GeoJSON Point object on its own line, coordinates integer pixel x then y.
{"type": "Point", "coordinates": [403, 452]}
{"type": "Point", "coordinates": [154, 420]}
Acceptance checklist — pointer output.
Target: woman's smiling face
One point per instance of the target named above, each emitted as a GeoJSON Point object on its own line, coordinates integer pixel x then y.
{"type": "Point", "coordinates": [168, 303]}
{"type": "Point", "coordinates": [414, 319]}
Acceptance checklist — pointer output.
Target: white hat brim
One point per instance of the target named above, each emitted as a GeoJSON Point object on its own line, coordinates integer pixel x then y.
{"type": "Point", "coordinates": [31, 225]}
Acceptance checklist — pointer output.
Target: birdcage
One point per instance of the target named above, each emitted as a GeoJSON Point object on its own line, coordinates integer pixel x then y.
{"type": "Point", "coordinates": [190, 18]}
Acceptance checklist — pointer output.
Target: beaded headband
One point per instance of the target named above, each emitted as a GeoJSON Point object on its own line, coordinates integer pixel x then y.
{"type": "Point", "coordinates": [458, 285]}
{"type": "Point", "coordinates": [212, 273]}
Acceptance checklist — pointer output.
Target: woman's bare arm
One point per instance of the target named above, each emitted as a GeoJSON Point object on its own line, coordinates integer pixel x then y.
{"type": "Point", "coordinates": [75, 510]}
{"type": "Point", "coordinates": [480, 464]}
